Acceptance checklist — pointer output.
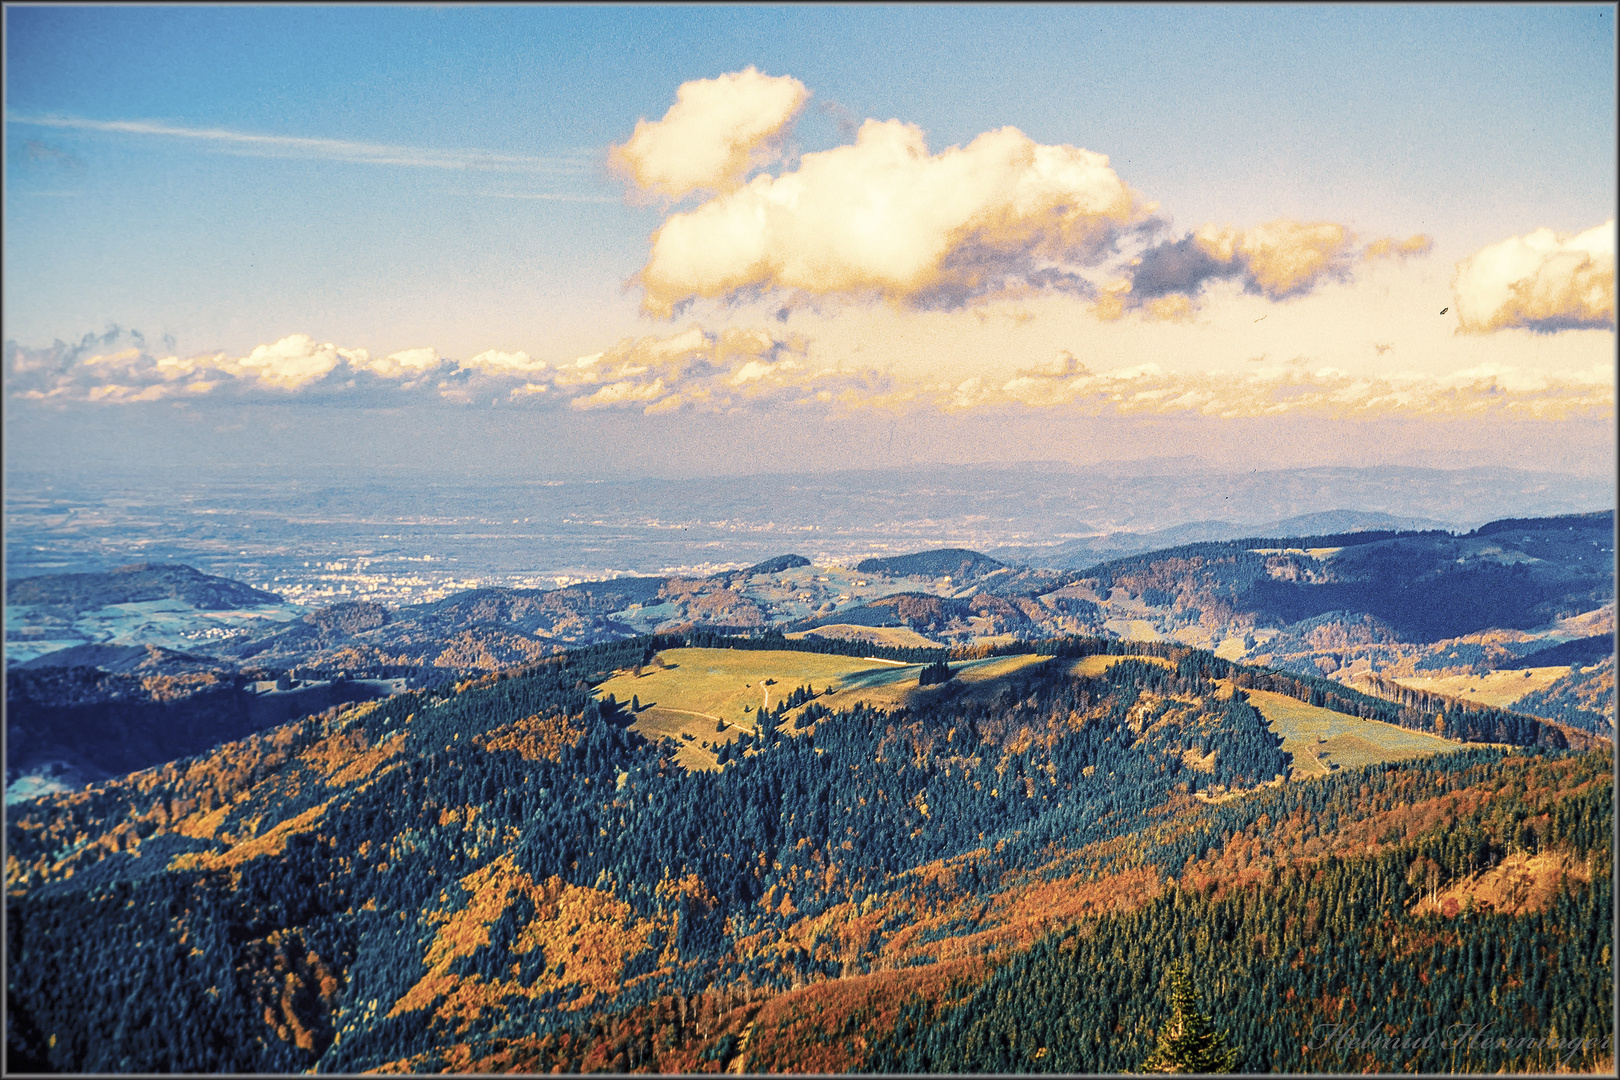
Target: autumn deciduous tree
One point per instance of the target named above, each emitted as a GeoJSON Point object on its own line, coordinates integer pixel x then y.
{"type": "Point", "coordinates": [1189, 1043]}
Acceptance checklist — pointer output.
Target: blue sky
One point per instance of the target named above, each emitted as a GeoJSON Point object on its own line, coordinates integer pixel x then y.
{"type": "Point", "coordinates": [221, 180]}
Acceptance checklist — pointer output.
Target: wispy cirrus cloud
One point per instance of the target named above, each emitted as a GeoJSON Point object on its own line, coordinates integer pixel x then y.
{"type": "Point", "coordinates": [305, 147]}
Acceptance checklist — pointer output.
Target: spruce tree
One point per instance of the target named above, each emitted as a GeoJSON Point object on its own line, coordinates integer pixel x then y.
{"type": "Point", "coordinates": [1189, 1043]}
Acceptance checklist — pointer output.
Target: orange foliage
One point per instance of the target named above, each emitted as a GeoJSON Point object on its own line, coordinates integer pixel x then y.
{"type": "Point", "coordinates": [1247, 858]}
{"type": "Point", "coordinates": [1027, 908]}
{"type": "Point", "coordinates": [489, 650]}
{"type": "Point", "coordinates": [296, 989]}
{"type": "Point", "coordinates": [535, 737]}
{"type": "Point", "coordinates": [447, 816]}
{"type": "Point", "coordinates": [346, 756]}
{"type": "Point", "coordinates": [1519, 884]}
{"type": "Point", "coordinates": [273, 842]}
{"type": "Point", "coordinates": [166, 688]}
{"type": "Point", "coordinates": [787, 1034]}
{"type": "Point", "coordinates": [195, 797]}
{"type": "Point", "coordinates": [586, 936]}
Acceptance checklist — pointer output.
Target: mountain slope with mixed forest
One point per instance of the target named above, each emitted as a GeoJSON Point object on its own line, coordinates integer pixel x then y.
{"type": "Point", "coordinates": [517, 872]}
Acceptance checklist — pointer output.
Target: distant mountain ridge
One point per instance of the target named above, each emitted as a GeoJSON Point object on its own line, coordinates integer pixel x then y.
{"type": "Point", "coordinates": [1088, 551]}
{"type": "Point", "coordinates": [1426, 585]}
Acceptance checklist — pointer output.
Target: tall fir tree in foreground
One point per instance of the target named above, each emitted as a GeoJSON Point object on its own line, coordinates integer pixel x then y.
{"type": "Point", "coordinates": [1189, 1043]}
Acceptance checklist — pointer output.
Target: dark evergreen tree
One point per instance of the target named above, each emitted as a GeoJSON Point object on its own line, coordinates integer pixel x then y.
{"type": "Point", "coordinates": [1188, 1042]}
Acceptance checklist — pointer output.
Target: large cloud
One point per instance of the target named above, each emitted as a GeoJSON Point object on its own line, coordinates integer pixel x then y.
{"type": "Point", "coordinates": [715, 133]}
{"type": "Point", "coordinates": [1003, 216]}
{"type": "Point", "coordinates": [1544, 281]}
{"type": "Point", "coordinates": [884, 217]}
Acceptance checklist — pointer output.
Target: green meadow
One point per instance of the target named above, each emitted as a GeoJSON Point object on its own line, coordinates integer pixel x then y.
{"type": "Point", "coordinates": [1322, 740]}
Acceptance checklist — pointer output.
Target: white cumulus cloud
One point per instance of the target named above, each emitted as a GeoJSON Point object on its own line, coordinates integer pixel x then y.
{"type": "Point", "coordinates": [405, 364]}
{"type": "Point", "coordinates": [498, 362]}
{"type": "Point", "coordinates": [717, 131]}
{"type": "Point", "coordinates": [1542, 281]}
{"type": "Point", "coordinates": [885, 217]}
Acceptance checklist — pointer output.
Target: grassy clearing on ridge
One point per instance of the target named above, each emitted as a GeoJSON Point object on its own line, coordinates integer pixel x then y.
{"type": "Point", "coordinates": [1322, 740]}
{"type": "Point", "coordinates": [1498, 689]}
{"type": "Point", "coordinates": [696, 690]}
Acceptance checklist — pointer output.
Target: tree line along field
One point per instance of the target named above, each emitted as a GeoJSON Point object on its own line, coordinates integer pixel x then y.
{"type": "Point", "coordinates": [507, 875]}
{"type": "Point", "coordinates": [1499, 688]}
{"type": "Point", "coordinates": [704, 698]}
{"type": "Point", "coordinates": [684, 694]}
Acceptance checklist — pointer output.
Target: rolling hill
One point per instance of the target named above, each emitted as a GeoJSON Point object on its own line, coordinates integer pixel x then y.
{"type": "Point", "coordinates": [1367, 608]}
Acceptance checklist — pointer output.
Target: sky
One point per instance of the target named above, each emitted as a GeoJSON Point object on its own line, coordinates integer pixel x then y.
{"type": "Point", "coordinates": [707, 240]}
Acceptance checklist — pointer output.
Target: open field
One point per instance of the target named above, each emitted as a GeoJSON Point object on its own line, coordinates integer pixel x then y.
{"type": "Point", "coordinates": [1322, 740]}
{"type": "Point", "coordinates": [1133, 629]}
{"type": "Point", "coordinates": [699, 689]}
{"type": "Point", "coordinates": [898, 687]}
{"type": "Point", "coordinates": [1498, 689]}
{"type": "Point", "coordinates": [693, 734]}
{"type": "Point", "coordinates": [901, 636]}
{"type": "Point", "coordinates": [703, 698]}
{"type": "Point", "coordinates": [729, 684]}
{"type": "Point", "coordinates": [1089, 666]}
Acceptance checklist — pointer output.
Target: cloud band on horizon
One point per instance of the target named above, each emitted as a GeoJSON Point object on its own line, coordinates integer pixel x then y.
{"type": "Point", "coordinates": [741, 368]}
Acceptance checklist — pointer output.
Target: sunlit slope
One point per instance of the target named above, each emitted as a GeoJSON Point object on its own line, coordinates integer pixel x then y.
{"type": "Point", "coordinates": [1322, 740]}
{"type": "Point", "coordinates": [1096, 665]}
{"type": "Point", "coordinates": [898, 636]}
{"type": "Point", "coordinates": [898, 688]}
{"type": "Point", "coordinates": [701, 699]}
{"type": "Point", "coordinates": [1498, 688]}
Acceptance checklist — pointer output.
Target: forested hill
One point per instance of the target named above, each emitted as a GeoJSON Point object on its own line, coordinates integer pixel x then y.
{"type": "Point", "coordinates": [1422, 586]}
{"type": "Point", "coordinates": [513, 874]}
{"type": "Point", "coordinates": [958, 564]}
{"type": "Point", "coordinates": [132, 584]}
